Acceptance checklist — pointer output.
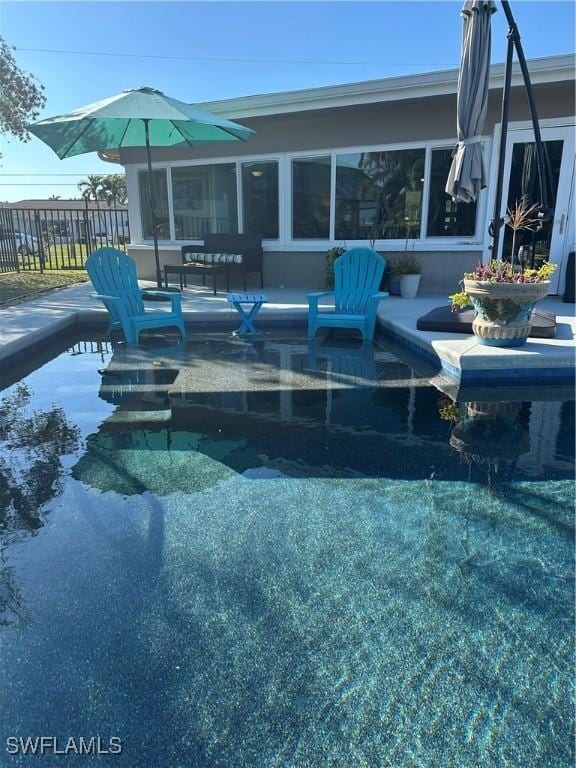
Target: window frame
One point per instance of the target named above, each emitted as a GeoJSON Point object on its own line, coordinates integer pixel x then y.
{"type": "Point", "coordinates": [240, 193]}
{"type": "Point", "coordinates": [139, 198]}
{"type": "Point", "coordinates": [290, 223]}
{"type": "Point", "coordinates": [132, 183]}
{"type": "Point", "coordinates": [285, 242]}
{"type": "Point", "coordinates": [399, 243]}
{"type": "Point", "coordinates": [186, 164]}
{"type": "Point", "coordinates": [480, 203]}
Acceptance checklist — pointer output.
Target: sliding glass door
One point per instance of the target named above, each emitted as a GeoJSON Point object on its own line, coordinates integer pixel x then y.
{"type": "Point", "coordinates": [521, 181]}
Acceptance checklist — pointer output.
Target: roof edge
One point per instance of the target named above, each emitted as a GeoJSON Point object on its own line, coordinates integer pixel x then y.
{"type": "Point", "coordinates": [440, 82]}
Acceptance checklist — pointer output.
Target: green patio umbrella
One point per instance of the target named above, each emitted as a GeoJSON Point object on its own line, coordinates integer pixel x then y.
{"type": "Point", "coordinates": [140, 117]}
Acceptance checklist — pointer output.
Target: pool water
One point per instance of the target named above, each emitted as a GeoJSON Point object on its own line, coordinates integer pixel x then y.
{"type": "Point", "coordinates": [264, 555]}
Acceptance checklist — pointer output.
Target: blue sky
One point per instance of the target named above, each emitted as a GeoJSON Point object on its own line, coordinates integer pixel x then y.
{"type": "Point", "coordinates": [269, 46]}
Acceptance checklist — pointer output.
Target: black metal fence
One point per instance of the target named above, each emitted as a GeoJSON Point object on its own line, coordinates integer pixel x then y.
{"type": "Point", "coordinates": [58, 238]}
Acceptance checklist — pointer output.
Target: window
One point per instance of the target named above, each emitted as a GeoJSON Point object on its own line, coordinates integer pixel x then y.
{"type": "Point", "coordinates": [160, 190]}
{"type": "Point", "coordinates": [204, 199]}
{"type": "Point", "coordinates": [311, 198]}
{"type": "Point", "coordinates": [260, 198]}
{"type": "Point", "coordinates": [445, 217]}
{"type": "Point", "coordinates": [379, 194]}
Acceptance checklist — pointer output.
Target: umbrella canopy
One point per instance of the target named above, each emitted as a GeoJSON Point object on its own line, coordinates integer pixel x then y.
{"type": "Point", "coordinates": [141, 117]}
{"type": "Point", "coordinates": [120, 121]}
{"type": "Point", "coordinates": [467, 176]}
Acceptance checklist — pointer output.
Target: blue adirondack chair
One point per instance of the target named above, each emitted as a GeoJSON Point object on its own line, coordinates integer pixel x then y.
{"type": "Point", "coordinates": [113, 274]}
{"type": "Point", "coordinates": [357, 276]}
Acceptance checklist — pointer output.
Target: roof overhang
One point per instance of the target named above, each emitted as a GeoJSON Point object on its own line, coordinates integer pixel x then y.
{"type": "Point", "coordinates": [544, 70]}
{"type": "Point", "coordinates": [109, 155]}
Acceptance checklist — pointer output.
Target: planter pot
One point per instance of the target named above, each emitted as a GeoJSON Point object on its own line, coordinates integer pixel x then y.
{"type": "Point", "coordinates": [409, 286]}
{"type": "Point", "coordinates": [491, 432]}
{"type": "Point", "coordinates": [503, 310]}
{"type": "Point", "coordinates": [393, 285]}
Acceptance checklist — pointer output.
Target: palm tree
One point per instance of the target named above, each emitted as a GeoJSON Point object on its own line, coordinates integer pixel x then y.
{"type": "Point", "coordinates": [114, 188]}
{"type": "Point", "coordinates": [92, 189]}
{"type": "Point", "coordinates": [54, 197]}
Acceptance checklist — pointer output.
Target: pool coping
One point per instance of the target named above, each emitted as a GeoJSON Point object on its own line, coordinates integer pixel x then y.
{"type": "Point", "coordinates": [462, 359]}
{"type": "Point", "coordinates": [457, 358]}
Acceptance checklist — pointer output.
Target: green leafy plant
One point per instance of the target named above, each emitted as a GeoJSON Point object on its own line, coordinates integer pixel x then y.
{"type": "Point", "coordinates": [500, 272]}
{"type": "Point", "coordinates": [331, 255]}
{"type": "Point", "coordinates": [375, 233]}
{"type": "Point", "coordinates": [448, 410]}
{"type": "Point", "coordinates": [406, 264]}
{"type": "Point", "coordinates": [21, 96]}
{"type": "Point", "coordinates": [459, 300]}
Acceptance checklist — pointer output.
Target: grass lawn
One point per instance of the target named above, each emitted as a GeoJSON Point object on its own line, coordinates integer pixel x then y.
{"type": "Point", "coordinates": [15, 284]}
{"type": "Point", "coordinates": [64, 255]}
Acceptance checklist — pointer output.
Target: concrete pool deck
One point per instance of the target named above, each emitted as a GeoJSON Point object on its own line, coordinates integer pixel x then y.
{"type": "Point", "coordinates": [29, 325]}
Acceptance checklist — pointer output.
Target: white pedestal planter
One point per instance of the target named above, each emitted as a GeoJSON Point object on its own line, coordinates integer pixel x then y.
{"type": "Point", "coordinates": [503, 310]}
{"type": "Point", "coordinates": [409, 286]}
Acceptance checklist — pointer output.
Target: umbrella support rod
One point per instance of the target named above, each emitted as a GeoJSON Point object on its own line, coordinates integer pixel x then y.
{"type": "Point", "coordinates": [152, 203]}
{"type": "Point", "coordinates": [514, 43]}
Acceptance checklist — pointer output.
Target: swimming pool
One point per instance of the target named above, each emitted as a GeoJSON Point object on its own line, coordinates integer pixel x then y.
{"type": "Point", "coordinates": [263, 555]}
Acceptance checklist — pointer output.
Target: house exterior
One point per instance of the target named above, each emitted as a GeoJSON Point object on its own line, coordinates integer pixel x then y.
{"type": "Point", "coordinates": [66, 220]}
{"type": "Point", "coordinates": [344, 164]}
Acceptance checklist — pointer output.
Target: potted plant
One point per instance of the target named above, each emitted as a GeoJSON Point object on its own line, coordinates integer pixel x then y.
{"type": "Point", "coordinates": [393, 285]}
{"type": "Point", "coordinates": [502, 293]}
{"type": "Point", "coordinates": [491, 434]}
{"type": "Point", "coordinates": [407, 269]}
{"type": "Point", "coordinates": [331, 255]}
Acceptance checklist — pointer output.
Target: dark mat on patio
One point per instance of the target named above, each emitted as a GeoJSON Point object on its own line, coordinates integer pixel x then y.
{"type": "Point", "coordinates": [443, 319]}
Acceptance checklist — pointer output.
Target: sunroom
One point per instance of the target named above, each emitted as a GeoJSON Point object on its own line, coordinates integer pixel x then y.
{"type": "Point", "coordinates": [348, 165]}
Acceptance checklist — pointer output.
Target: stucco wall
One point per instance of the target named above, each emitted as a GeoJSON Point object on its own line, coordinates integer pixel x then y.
{"type": "Point", "coordinates": [389, 122]}
{"type": "Point", "coordinates": [441, 270]}
{"type": "Point", "coordinates": [411, 120]}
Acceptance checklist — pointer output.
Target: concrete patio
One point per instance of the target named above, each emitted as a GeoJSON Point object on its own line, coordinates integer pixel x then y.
{"type": "Point", "coordinates": [30, 325]}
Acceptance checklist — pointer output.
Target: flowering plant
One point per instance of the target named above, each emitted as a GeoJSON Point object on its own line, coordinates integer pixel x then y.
{"type": "Point", "coordinates": [500, 272]}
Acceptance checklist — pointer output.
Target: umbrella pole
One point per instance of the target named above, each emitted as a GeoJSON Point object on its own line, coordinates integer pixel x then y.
{"type": "Point", "coordinates": [152, 207]}
{"type": "Point", "coordinates": [545, 212]}
{"type": "Point", "coordinates": [497, 220]}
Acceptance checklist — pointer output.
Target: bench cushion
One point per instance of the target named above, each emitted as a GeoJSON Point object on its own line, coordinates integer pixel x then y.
{"type": "Point", "coordinates": [213, 258]}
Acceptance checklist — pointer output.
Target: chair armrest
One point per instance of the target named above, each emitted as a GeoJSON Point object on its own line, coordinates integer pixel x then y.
{"type": "Point", "coordinates": [175, 298]}
{"type": "Point", "coordinates": [373, 302]}
{"type": "Point", "coordinates": [103, 297]}
{"type": "Point", "coordinates": [154, 292]}
{"type": "Point", "coordinates": [314, 297]}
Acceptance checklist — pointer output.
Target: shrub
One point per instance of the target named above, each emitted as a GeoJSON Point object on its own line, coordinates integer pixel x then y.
{"type": "Point", "coordinates": [331, 255]}
{"type": "Point", "coordinates": [407, 264]}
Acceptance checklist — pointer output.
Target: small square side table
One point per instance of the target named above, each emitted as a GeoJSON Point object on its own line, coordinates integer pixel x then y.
{"type": "Point", "coordinates": [255, 300]}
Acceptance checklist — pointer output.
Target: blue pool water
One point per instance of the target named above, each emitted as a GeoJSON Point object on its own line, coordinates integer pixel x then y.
{"type": "Point", "coordinates": [258, 555]}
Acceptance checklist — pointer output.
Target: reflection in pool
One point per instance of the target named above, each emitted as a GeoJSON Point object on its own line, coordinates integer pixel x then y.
{"type": "Point", "coordinates": [269, 555]}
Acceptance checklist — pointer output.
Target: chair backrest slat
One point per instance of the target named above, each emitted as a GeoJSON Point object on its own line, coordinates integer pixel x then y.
{"type": "Point", "coordinates": [357, 276]}
{"type": "Point", "coordinates": [113, 273]}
